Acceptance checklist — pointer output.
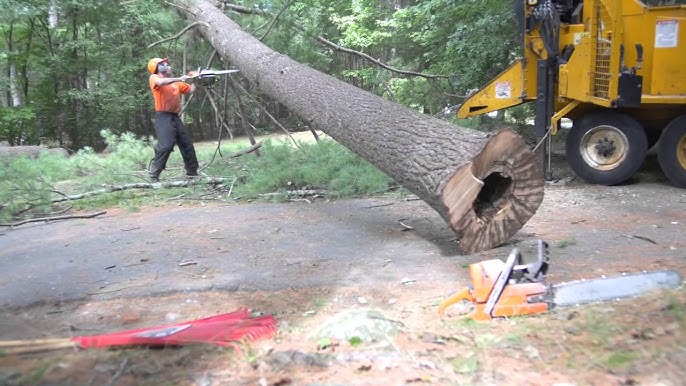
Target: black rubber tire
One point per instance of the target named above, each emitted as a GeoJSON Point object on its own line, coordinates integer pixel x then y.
{"type": "Point", "coordinates": [671, 151]}
{"type": "Point", "coordinates": [627, 135]}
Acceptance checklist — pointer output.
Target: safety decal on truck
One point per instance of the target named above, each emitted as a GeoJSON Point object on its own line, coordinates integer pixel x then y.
{"type": "Point", "coordinates": [503, 90]}
{"type": "Point", "coordinates": [579, 36]}
{"type": "Point", "coordinates": [666, 33]}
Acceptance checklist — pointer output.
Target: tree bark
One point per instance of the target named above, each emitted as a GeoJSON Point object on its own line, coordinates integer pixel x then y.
{"type": "Point", "coordinates": [486, 186]}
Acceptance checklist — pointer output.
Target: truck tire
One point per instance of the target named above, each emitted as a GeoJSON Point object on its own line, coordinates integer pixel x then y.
{"type": "Point", "coordinates": [671, 151]}
{"type": "Point", "coordinates": [606, 147]}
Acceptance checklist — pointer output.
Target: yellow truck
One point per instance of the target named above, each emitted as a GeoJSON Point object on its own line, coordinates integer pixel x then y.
{"type": "Point", "coordinates": [616, 68]}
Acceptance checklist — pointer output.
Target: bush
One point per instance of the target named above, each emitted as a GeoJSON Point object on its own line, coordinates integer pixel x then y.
{"type": "Point", "coordinates": [28, 186]}
{"type": "Point", "coordinates": [18, 125]}
{"type": "Point", "coordinates": [322, 165]}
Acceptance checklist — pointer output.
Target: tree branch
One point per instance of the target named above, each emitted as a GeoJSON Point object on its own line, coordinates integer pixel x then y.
{"type": "Point", "coordinates": [140, 185]}
{"type": "Point", "coordinates": [192, 25]}
{"type": "Point", "coordinates": [247, 150]}
{"type": "Point", "coordinates": [271, 117]}
{"type": "Point", "coordinates": [250, 11]}
{"type": "Point", "coordinates": [55, 218]}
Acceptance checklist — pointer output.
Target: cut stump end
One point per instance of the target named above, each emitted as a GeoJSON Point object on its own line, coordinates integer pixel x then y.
{"type": "Point", "coordinates": [492, 197]}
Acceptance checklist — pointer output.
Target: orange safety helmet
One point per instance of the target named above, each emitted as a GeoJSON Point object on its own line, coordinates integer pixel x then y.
{"type": "Point", "coordinates": [152, 64]}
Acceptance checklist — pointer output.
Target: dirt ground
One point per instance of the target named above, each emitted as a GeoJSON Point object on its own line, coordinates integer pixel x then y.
{"type": "Point", "coordinates": [305, 262]}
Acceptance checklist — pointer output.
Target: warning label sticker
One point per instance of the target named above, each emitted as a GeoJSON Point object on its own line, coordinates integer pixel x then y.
{"type": "Point", "coordinates": [666, 33]}
{"type": "Point", "coordinates": [503, 90]}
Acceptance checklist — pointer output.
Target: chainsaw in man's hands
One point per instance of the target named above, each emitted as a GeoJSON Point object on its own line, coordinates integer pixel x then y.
{"type": "Point", "coordinates": [206, 77]}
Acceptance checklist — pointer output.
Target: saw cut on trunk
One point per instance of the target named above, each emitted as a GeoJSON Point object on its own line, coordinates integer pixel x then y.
{"type": "Point", "coordinates": [486, 186]}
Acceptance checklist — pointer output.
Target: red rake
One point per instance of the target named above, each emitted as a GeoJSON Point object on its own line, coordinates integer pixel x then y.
{"type": "Point", "coordinates": [221, 330]}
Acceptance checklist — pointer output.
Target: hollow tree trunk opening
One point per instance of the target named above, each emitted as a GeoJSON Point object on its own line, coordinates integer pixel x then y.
{"type": "Point", "coordinates": [493, 196]}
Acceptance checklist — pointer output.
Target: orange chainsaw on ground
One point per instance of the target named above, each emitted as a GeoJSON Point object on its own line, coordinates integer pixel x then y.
{"type": "Point", "coordinates": [511, 288]}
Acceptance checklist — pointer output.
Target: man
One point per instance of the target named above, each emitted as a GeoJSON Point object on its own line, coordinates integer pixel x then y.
{"type": "Point", "coordinates": [169, 127]}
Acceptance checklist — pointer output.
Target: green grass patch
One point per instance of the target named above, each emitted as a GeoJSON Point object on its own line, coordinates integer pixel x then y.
{"type": "Point", "coordinates": [600, 327]}
{"type": "Point", "coordinates": [619, 359]}
{"type": "Point", "coordinates": [28, 187]}
{"type": "Point", "coordinates": [319, 302]}
{"type": "Point", "coordinates": [676, 308]}
{"type": "Point", "coordinates": [465, 364]}
{"type": "Point", "coordinates": [565, 242]}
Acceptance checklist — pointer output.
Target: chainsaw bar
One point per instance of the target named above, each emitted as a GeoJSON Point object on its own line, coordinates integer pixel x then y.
{"type": "Point", "coordinates": [210, 73]}
{"type": "Point", "coordinates": [612, 288]}
{"type": "Point", "coordinates": [207, 77]}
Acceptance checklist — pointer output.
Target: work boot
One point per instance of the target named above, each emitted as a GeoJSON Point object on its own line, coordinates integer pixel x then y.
{"type": "Point", "coordinates": [195, 175]}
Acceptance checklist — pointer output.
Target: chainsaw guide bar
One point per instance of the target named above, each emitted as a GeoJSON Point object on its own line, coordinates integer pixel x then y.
{"type": "Point", "coordinates": [206, 77]}
{"type": "Point", "coordinates": [612, 288]}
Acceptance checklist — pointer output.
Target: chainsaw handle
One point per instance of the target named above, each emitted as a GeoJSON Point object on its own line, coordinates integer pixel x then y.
{"type": "Point", "coordinates": [465, 294]}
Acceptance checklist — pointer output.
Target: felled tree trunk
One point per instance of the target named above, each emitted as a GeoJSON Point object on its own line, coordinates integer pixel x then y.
{"type": "Point", "coordinates": [486, 186]}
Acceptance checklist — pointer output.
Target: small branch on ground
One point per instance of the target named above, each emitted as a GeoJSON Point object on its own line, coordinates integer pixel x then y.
{"type": "Point", "coordinates": [405, 226]}
{"type": "Point", "coordinates": [298, 193]}
{"type": "Point", "coordinates": [378, 206]}
{"type": "Point", "coordinates": [640, 238]}
{"type": "Point", "coordinates": [119, 372]}
{"type": "Point", "coordinates": [54, 218]}
{"type": "Point", "coordinates": [140, 185]}
{"type": "Point", "coordinates": [246, 151]}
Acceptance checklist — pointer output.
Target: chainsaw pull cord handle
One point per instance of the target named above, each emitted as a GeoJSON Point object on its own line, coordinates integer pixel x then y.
{"type": "Point", "coordinates": [465, 294]}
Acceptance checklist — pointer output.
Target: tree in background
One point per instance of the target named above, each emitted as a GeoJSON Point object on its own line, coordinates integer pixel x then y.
{"type": "Point", "coordinates": [70, 68]}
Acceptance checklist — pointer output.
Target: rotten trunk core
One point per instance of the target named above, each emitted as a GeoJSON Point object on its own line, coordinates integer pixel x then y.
{"type": "Point", "coordinates": [486, 186]}
{"type": "Point", "coordinates": [492, 197]}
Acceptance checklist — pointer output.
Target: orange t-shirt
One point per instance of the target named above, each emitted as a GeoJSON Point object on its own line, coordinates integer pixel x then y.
{"type": "Point", "coordinates": [167, 98]}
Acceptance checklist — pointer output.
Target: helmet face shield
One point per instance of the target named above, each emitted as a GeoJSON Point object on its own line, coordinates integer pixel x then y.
{"type": "Point", "coordinates": [164, 68]}
{"type": "Point", "coordinates": [155, 63]}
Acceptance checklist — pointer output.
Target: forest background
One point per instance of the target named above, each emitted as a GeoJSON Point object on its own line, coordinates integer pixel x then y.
{"type": "Point", "coordinates": [73, 68]}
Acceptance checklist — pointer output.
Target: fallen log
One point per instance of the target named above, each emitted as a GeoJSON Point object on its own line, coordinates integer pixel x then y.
{"type": "Point", "coordinates": [7, 152]}
{"type": "Point", "coordinates": [486, 186]}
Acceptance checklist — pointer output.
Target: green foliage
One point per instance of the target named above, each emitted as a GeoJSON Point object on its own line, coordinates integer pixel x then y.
{"type": "Point", "coordinates": [676, 308]}
{"type": "Point", "coordinates": [323, 343]}
{"type": "Point", "coordinates": [131, 152]}
{"type": "Point", "coordinates": [564, 243]}
{"type": "Point", "coordinates": [18, 125]}
{"type": "Point", "coordinates": [28, 182]}
{"type": "Point", "coordinates": [323, 165]}
{"type": "Point", "coordinates": [466, 364]}
{"type": "Point", "coordinates": [88, 71]}
{"type": "Point", "coordinates": [619, 359]}
{"type": "Point", "coordinates": [355, 341]}
{"type": "Point", "coordinates": [29, 186]}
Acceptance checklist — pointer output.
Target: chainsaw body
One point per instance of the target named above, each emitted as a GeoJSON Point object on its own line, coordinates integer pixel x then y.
{"type": "Point", "coordinates": [505, 288]}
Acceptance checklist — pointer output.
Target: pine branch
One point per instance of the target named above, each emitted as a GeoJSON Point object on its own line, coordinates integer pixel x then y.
{"type": "Point", "coordinates": [196, 24]}
{"type": "Point", "coordinates": [250, 11]}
